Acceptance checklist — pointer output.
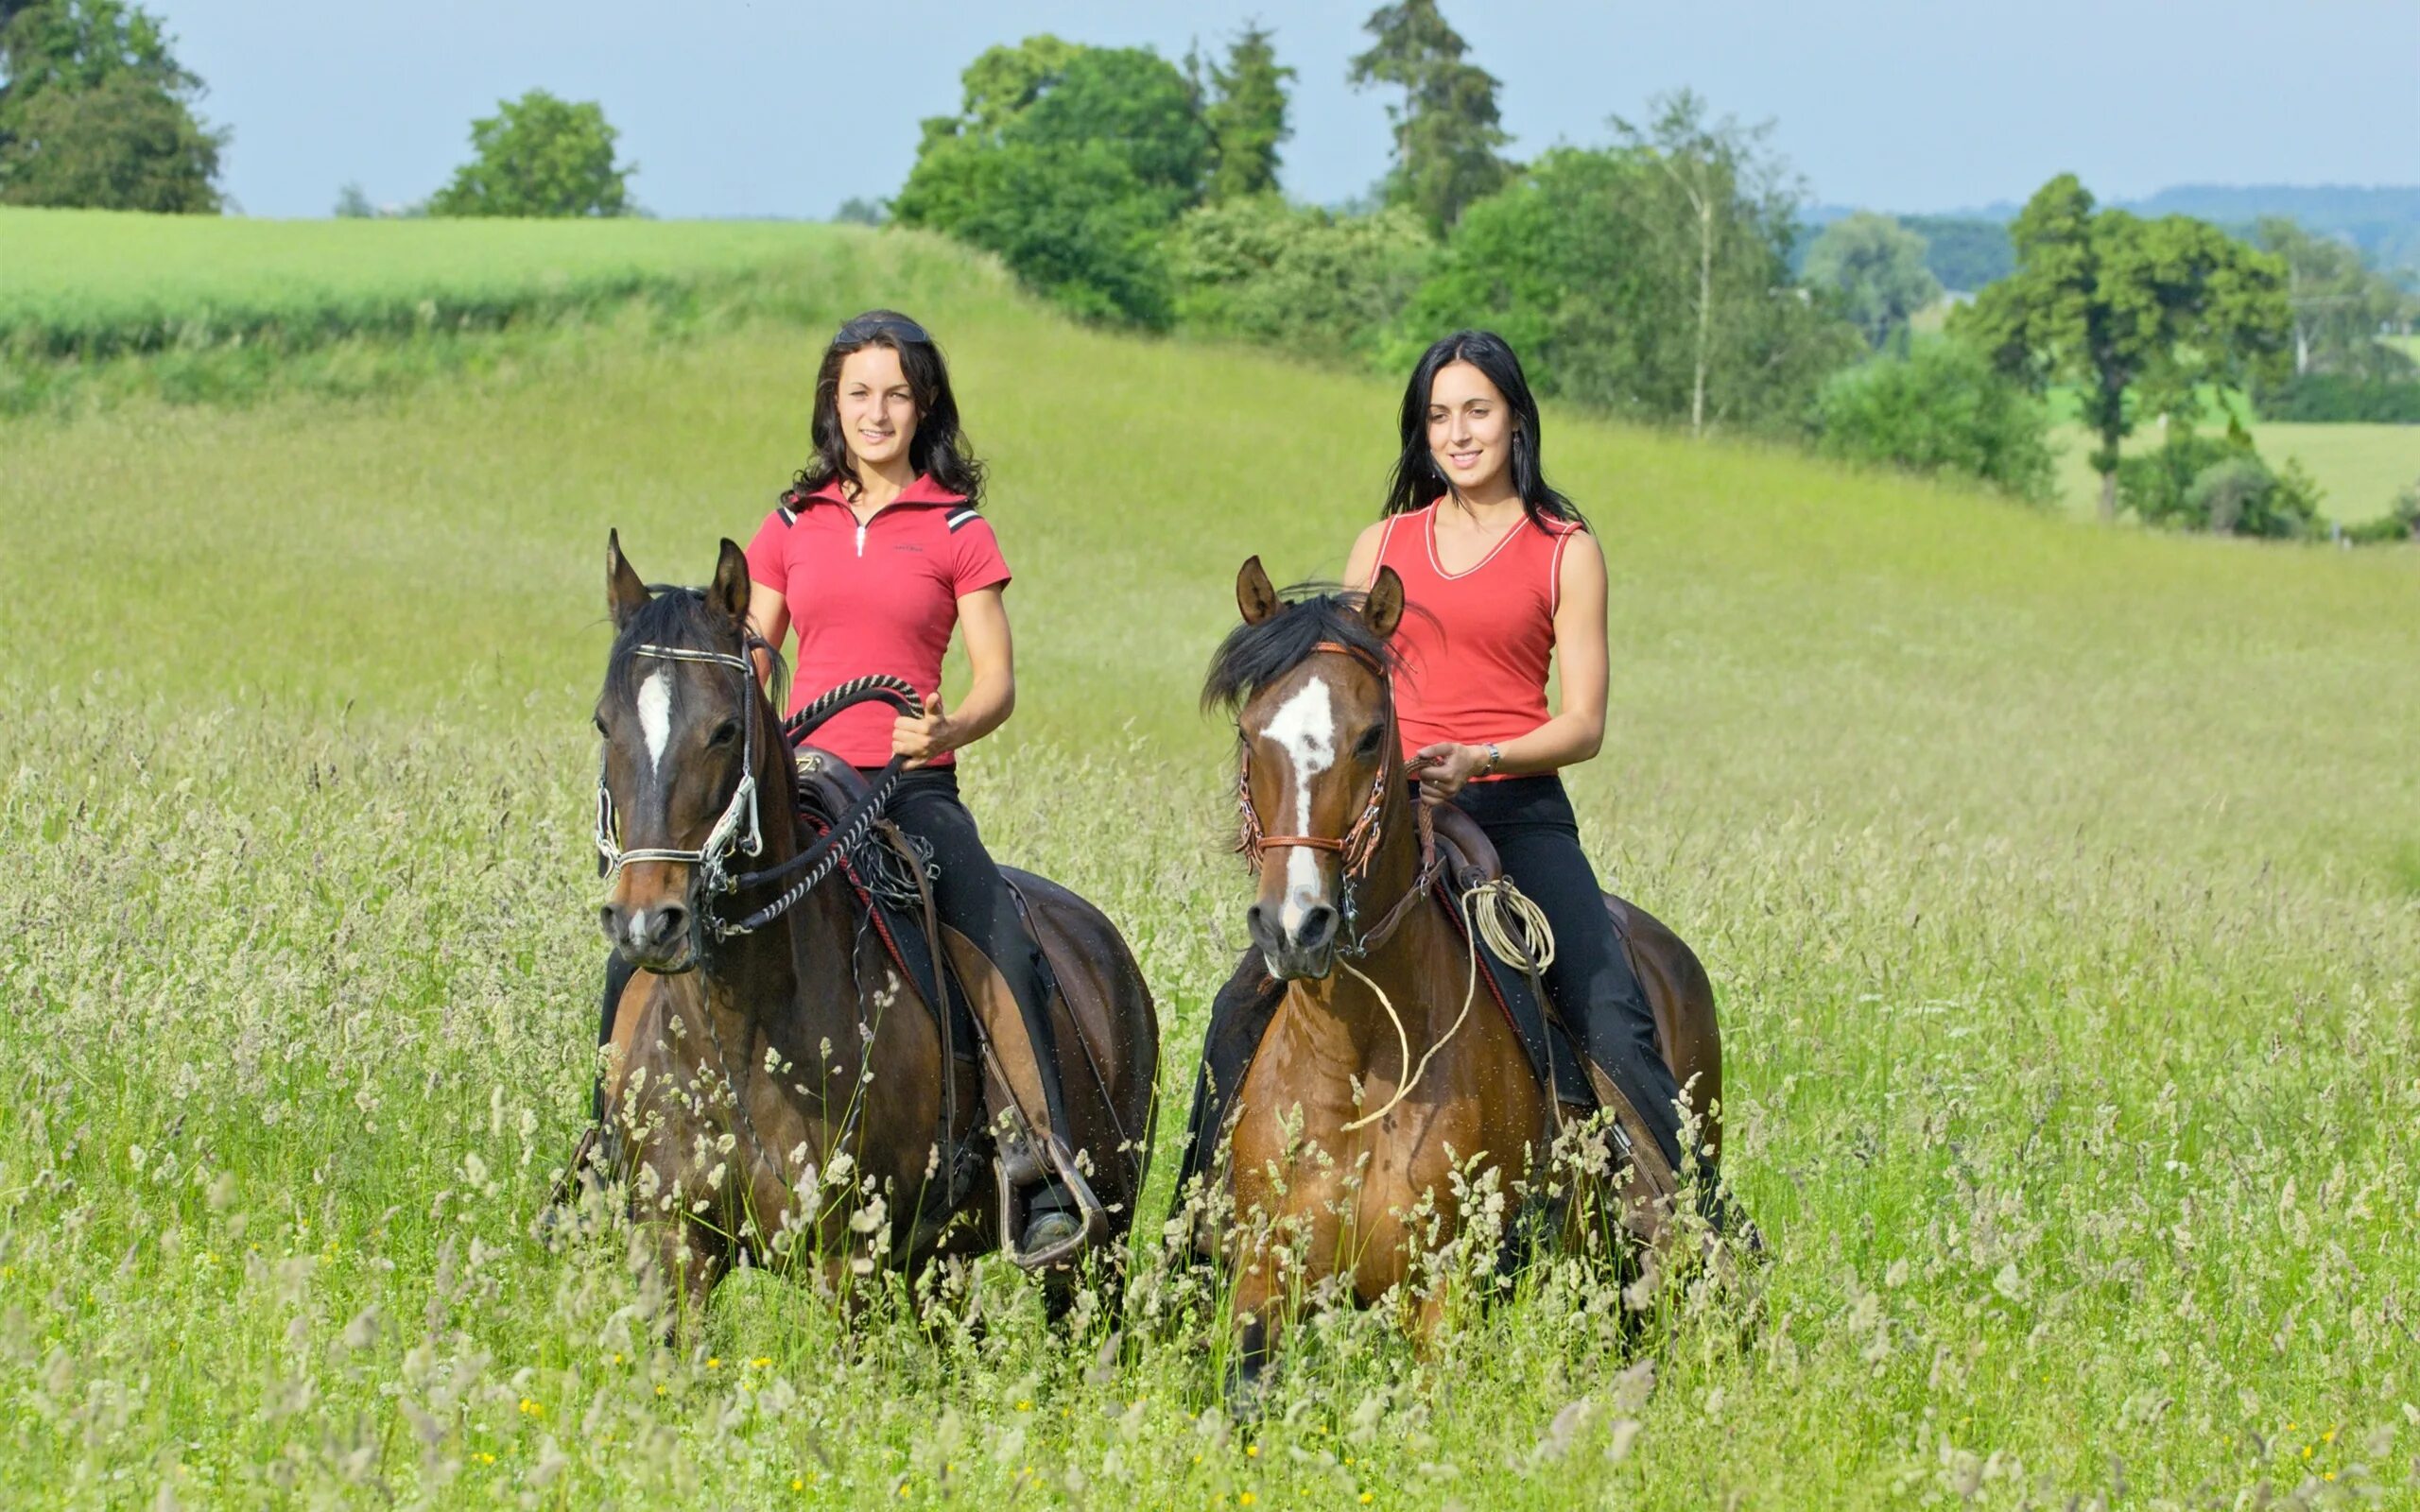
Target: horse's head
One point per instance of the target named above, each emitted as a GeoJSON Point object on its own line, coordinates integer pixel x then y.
{"type": "Point", "coordinates": [675, 793]}
{"type": "Point", "coordinates": [1307, 678]}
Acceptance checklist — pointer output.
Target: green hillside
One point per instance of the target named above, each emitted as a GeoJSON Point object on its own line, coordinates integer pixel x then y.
{"type": "Point", "coordinates": [2061, 888]}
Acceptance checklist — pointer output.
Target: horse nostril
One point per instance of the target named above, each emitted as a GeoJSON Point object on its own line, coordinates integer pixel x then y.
{"type": "Point", "coordinates": [606, 922]}
{"type": "Point", "coordinates": [1319, 928]}
{"type": "Point", "coordinates": [670, 920]}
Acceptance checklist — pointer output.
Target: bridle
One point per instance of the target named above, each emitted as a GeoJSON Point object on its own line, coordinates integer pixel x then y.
{"type": "Point", "coordinates": [739, 829]}
{"type": "Point", "coordinates": [1357, 848]}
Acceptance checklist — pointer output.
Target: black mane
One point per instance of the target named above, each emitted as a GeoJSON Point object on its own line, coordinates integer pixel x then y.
{"type": "Point", "coordinates": [1253, 656]}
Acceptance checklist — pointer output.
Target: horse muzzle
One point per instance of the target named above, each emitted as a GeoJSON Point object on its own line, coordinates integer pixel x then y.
{"type": "Point", "coordinates": [1303, 952]}
{"type": "Point", "coordinates": [658, 938]}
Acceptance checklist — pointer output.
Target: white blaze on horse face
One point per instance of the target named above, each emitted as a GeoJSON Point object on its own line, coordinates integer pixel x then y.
{"type": "Point", "coordinates": [655, 717]}
{"type": "Point", "coordinates": [1304, 727]}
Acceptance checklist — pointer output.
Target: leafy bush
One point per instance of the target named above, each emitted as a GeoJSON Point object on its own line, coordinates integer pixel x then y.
{"type": "Point", "coordinates": [2219, 484]}
{"type": "Point", "coordinates": [2324, 397]}
{"type": "Point", "coordinates": [1941, 410]}
{"type": "Point", "coordinates": [2397, 524]}
{"type": "Point", "coordinates": [1304, 280]}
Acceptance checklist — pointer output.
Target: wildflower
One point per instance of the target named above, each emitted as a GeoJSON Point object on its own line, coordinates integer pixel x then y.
{"type": "Point", "coordinates": [2305, 1451]}
{"type": "Point", "coordinates": [659, 1388]}
{"type": "Point", "coordinates": [713, 1362]}
{"type": "Point", "coordinates": [1025, 1404]}
{"type": "Point", "coordinates": [1252, 1452]}
{"type": "Point", "coordinates": [2328, 1437]}
{"type": "Point", "coordinates": [1247, 1499]}
{"type": "Point", "coordinates": [761, 1361]}
{"type": "Point", "coordinates": [533, 1409]}
{"type": "Point", "coordinates": [1367, 1499]}
{"type": "Point", "coordinates": [617, 1357]}
{"type": "Point", "coordinates": [797, 1485]}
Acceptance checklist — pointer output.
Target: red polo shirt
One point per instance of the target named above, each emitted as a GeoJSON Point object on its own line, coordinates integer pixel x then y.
{"type": "Point", "coordinates": [877, 597]}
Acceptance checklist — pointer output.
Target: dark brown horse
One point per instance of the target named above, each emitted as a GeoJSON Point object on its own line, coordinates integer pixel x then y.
{"type": "Point", "coordinates": [782, 1092]}
{"type": "Point", "coordinates": [1382, 1073]}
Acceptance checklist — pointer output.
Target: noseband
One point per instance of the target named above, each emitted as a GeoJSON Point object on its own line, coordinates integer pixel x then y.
{"type": "Point", "coordinates": [1357, 847]}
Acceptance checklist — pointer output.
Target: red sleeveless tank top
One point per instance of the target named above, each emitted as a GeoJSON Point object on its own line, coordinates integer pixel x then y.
{"type": "Point", "coordinates": [1475, 644]}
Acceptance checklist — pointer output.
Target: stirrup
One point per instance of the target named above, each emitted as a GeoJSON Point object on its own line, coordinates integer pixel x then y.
{"type": "Point", "coordinates": [1013, 1207]}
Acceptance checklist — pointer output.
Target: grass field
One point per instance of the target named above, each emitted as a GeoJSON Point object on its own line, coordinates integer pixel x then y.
{"type": "Point", "coordinates": [2360, 468]}
{"type": "Point", "coordinates": [2061, 888]}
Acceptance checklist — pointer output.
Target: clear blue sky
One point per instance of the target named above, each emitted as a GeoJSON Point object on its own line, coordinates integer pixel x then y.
{"type": "Point", "coordinates": [738, 107]}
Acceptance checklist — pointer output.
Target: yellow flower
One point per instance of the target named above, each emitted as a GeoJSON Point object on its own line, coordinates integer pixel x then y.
{"type": "Point", "coordinates": [1025, 1404]}
{"type": "Point", "coordinates": [617, 1357]}
{"type": "Point", "coordinates": [1246, 1500]}
{"type": "Point", "coordinates": [797, 1485]}
{"type": "Point", "coordinates": [2305, 1451]}
{"type": "Point", "coordinates": [659, 1388]}
{"type": "Point", "coordinates": [1252, 1452]}
{"type": "Point", "coordinates": [1367, 1499]}
{"type": "Point", "coordinates": [2328, 1437]}
{"type": "Point", "coordinates": [2329, 1476]}
{"type": "Point", "coordinates": [713, 1362]}
{"type": "Point", "coordinates": [761, 1361]}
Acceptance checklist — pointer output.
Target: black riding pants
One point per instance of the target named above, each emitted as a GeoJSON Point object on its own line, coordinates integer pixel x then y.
{"type": "Point", "coordinates": [1591, 982]}
{"type": "Point", "coordinates": [972, 897]}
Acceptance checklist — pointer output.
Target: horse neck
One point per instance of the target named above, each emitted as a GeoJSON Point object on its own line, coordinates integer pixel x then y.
{"type": "Point", "coordinates": [1404, 965]}
{"type": "Point", "coordinates": [788, 984]}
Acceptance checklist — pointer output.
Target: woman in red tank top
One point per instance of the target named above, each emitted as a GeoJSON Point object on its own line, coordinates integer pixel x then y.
{"type": "Point", "coordinates": [1501, 576]}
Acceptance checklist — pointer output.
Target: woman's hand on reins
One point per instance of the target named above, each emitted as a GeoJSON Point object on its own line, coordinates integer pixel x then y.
{"type": "Point", "coordinates": [1445, 768]}
{"type": "Point", "coordinates": [923, 737]}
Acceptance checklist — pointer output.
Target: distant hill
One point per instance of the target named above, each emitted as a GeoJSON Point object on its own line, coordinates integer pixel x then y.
{"type": "Point", "coordinates": [1970, 245]}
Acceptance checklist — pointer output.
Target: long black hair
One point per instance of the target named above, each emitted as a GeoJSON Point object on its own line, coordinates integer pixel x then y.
{"type": "Point", "coordinates": [1417, 481]}
{"type": "Point", "coordinates": [940, 447]}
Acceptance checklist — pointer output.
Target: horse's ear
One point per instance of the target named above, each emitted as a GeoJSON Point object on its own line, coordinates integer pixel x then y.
{"type": "Point", "coordinates": [728, 592]}
{"type": "Point", "coordinates": [625, 589]}
{"type": "Point", "coordinates": [1255, 594]}
{"type": "Point", "coordinates": [1382, 607]}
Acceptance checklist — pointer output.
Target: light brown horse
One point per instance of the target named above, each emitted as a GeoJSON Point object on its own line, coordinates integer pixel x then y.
{"type": "Point", "coordinates": [782, 1094]}
{"type": "Point", "coordinates": [1345, 916]}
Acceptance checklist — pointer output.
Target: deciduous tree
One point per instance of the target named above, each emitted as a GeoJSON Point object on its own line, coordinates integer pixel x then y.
{"type": "Point", "coordinates": [1071, 162]}
{"type": "Point", "coordinates": [1876, 268]}
{"type": "Point", "coordinates": [540, 156]}
{"type": "Point", "coordinates": [2136, 313]}
{"type": "Point", "coordinates": [96, 112]}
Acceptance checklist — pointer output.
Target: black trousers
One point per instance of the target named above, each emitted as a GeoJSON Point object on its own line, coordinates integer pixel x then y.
{"type": "Point", "coordinates": [1530, 820]}
{"type": "Point", "coordinates": [1591, 982]}
{"type": "Point", "coordinates": [970, 895]}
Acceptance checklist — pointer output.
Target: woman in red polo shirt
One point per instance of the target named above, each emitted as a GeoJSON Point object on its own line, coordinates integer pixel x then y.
{"type": "Point", "coordinates": [875, 556]}
{"type": "Point", "coordinates": [1501, 574]}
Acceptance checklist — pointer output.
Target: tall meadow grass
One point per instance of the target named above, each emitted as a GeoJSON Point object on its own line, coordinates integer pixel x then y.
{"type": "Point", "coordinates": [2057, 886]}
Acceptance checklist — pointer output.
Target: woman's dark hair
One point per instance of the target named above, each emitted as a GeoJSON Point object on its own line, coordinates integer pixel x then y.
{"type": "Point", "coordinates": [940, 447]}
{"type": "Point", "coordinates": [1418, 483]}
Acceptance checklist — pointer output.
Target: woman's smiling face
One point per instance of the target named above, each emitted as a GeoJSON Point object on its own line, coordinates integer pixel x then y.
{"type": "Point", "coordinates": [876, 406]}
{"type": "Point", "coordinates": [1470, 428]}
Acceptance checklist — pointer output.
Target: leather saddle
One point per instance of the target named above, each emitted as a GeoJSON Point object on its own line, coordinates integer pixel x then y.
{"type": "Point", "coordinates": [1470, 856]}
{"type": "Point", "coordinates": [971, 997]}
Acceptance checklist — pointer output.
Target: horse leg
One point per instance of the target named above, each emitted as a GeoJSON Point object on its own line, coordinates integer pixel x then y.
{"type": "Point", "coordinates": [1254, 1313]}
{"type": "Point", "coordinates": [689, 1260]}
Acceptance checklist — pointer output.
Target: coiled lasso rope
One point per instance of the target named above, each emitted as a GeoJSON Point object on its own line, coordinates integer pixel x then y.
{"type": "Point", "coordinates": [1497, 912]}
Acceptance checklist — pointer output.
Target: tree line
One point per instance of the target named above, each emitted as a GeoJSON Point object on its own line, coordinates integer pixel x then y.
{"type": "Point", "coordinates": [1661, 276]}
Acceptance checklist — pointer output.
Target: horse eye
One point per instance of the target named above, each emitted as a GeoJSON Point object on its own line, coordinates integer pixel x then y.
{"type": "Point", "coordinates": [724, 734]}
{"type": "Point", "coordinates": [1371, 738]}
{"type": "Point", "coordinates": [599, 723]}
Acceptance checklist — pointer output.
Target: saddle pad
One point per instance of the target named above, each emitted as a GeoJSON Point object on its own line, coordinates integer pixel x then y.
{"type": "Point", "coordinates": [904, 940]}
{"type": "Point", "coordinates": [1553, 1057]}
